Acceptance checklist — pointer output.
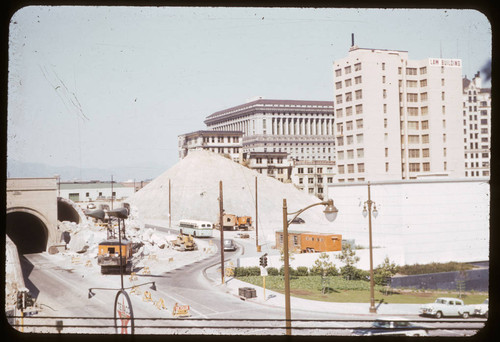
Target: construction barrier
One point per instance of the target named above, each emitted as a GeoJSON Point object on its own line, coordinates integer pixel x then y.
{"type": "Point", "coordinates": [181, 311]}
{"type": "Point", "coordinates": [160, 304]}
{"type": "Point", "coordinates": [147, 297]}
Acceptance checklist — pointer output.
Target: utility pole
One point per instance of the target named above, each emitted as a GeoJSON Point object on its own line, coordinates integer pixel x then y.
{"type": "Point", "coordinates": [256, 218]}
{"type": "Point", "coordinates": [111, 192]}
{"type": "Point", "coordinates": [169, 205]}
{"type": "Point", "coordinates": [221, 225]}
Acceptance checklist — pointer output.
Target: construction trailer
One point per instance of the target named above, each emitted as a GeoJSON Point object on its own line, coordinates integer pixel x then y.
{"type": "Point", "coordinates": [310, 242]}
{"type": "Point", "coordinates": [229, 222]}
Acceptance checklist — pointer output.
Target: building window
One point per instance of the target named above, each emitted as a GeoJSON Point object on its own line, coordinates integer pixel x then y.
{"type": "Point", "coordinates": [348, 125]}
{"type": "Point", "coordinates": [340, 155]}
{"type": "Point", "coordinates": [411, 71]}
{"type": "Point", "coordinates": [359, 123]}
{"type": "Point", "coordinates": [348, 97]}
{"type": "Point", "coordinates": [350, 154]}
{"type": "Point", "coordinates": [347, 69]}
{"type": "Point", "coordinates": [425, 124]}
{"type": "Point", "coordinates": [350, 168]}
{"type": "Point", "coordinates": [423, 83]}
{"type": "Point", "coordinates": [361, 167]}
{"type": "Point", "coordinates": [338, 98]}
{"type": "Point", "coordinates": [258, 160]}
{"type": "Point", "coordinates": [359, 109]}
{"type": "Point", "coordinates": [411, 97]}
{"type": "Point", "coordinates": [341, 169]}
{"type": "Point", "coordinates": [338, 72]}
{"type": "Point", "coordinates": [411, 83]}
{"type": "Point", "coordinates": [348, 82]}
{"type": "Point", "coordinates": [412, 111]}
{"type": "Point", "coordinates": [359, 94]}
{"type": "Point", "coordinates": [338, 85]}
{"type": "Point", "coordinates": [423, 70]}
{"type": "Point", "coordinates": [349, 140]}
{"type": "Point", "coordinates": [360, 153]}
{"type": "Point", "coordinates": [348, 111]}
{"type": "Point", "coordinates": [425, 139]}
{"type": "Point", "coordinates": [357, 80]}
{"type": "Point", "coordinates": [340, 141]}
{"type": "Point", "coordinates": [423, 97]}
{"type": "Point", "coordinates": [414, 167]}
{"type": "Point", "coordinates": [357, 67]}
{"type": "Point", "coordinates": [412, 124]}
{"type": "Point", "coordinates": [359, 138]}
{"type": "Point", "coordinates": [414, 153]}
{"type": "Point", "coordinates": [413, 139]}
{"type": "Point", "coordinates": [426, 166]}
{"type": "Point", "coordinates": [338, 112]}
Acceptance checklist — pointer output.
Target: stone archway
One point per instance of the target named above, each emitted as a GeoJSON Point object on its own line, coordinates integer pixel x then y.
{"type": "Point", "coordinates": [28, 230]}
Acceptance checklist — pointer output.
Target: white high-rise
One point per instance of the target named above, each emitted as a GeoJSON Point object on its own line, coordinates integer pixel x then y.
{"type": "Point", "coordinates": [477, 127]}
{"type": "Point", "coordinates": [397, 118]}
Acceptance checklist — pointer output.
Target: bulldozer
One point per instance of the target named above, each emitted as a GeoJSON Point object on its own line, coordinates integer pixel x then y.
{"type": "Point", "coordinates": [184, 243]}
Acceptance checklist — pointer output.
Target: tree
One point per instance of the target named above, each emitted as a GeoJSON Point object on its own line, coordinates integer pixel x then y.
{"type": "Point", "coordinates": [384, 272]}
{"type": "Point", "coordinates": [325, 267]}
{"type": "Point", "coordinates": [349, 258]}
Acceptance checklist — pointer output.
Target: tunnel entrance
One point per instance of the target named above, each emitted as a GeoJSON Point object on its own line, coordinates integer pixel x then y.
{"type": "Point", "coordinates": [27, 231]}
{"type": "Point", "coordinates": [65, 212]}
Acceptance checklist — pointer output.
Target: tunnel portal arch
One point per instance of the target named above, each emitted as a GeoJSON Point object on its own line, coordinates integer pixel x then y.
{"type": "Point", "coordinates": [28, 229]}
{"type": "Point", "coordinates": [66, 212]}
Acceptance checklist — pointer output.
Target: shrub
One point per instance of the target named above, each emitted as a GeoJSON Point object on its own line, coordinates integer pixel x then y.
{"type": "Point", "coordinates": [302, 271]}
{"type": "Point", "coordinates": [253, 271]}
{"type": "Point", "coordinates": [273, 271]}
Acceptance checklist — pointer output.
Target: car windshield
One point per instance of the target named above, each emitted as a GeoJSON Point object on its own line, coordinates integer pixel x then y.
{"type": "Point", "coordinates": [382, 324]}
{"type": "Point", "coordinates": [441, 301]}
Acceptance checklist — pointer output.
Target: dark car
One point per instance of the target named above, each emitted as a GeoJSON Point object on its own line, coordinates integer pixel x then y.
{"type": "Point", "coordinates": [229, 245]}
{"type": "Point", "coordinates": [393, 326]}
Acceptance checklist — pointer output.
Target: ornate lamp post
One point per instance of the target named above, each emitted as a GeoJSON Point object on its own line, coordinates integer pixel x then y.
{"type": "Point", "coordinates": [369, 212]}
{"type": "Point", "coordinates": [331, 214]}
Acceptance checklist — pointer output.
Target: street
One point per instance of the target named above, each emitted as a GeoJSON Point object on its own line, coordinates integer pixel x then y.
{"type": "Point", "coordinates": [63, 295]}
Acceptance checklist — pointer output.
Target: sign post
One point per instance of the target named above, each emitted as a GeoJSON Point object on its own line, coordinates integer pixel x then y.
{"type": "Point", "coordinates": [263, 273]}
{"type": "Point", "coordinates": [123, 313]}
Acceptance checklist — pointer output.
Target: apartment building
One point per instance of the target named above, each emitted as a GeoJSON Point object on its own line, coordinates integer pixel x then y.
{"type": "Point", "coordinates": [397, 118]}
{"type": "Point", "coordinates": [227, 143]}
{"type": "Point", "coordinates": [477, 127]}
{"type": "Point", "coordinates": [276, 133]}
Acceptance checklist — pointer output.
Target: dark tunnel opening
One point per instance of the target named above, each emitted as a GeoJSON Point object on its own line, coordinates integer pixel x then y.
{"type": "Point", "coordinates": [65, 212]}
{"type": "Point", "coordinates": [27, 231]}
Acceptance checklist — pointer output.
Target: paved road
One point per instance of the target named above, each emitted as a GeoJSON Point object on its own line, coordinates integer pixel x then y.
{"type": "Point", "coordinates": [212, 304]}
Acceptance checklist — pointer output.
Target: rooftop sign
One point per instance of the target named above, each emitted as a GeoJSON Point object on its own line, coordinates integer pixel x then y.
{"type": "Point", "coordinates": [445, 62]}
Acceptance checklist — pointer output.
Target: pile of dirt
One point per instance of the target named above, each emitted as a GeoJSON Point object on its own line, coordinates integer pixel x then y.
{"type": "Point", "coordinates": [195, 195]}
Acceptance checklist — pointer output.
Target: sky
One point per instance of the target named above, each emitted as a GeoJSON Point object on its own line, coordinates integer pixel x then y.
{"type": "Point", "coordinates": [114, 87]}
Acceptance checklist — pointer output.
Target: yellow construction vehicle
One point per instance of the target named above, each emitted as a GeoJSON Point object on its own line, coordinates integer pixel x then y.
{"type": "Point", "coordinates": [184, 243]}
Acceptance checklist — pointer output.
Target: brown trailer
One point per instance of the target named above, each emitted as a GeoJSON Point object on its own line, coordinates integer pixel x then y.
{"type": "Point", "coordinates": [320, 242]}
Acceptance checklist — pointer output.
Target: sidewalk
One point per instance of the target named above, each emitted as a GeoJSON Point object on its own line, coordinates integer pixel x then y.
{"type": "Point", "coordinates": [276, 299]}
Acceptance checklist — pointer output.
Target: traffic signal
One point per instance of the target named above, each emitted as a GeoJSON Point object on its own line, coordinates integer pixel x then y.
{"type": "Point", "coordinates": [20, 300]}
{"type": "Point", "coordinates": [263, 260]}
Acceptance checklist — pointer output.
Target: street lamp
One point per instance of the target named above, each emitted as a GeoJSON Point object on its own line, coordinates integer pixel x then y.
{"type": "Point", "coordinates": [369, 213]}
{"type": "Point", "coordinates": [331, 214]}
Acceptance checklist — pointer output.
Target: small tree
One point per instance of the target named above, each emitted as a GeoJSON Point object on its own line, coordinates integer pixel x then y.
{"type": "Point", "coordinates": [349, 258]}
{"type": "Point", "coordinates": [323, 265]}
{"type": "Point", "coordinates": [384, 272]}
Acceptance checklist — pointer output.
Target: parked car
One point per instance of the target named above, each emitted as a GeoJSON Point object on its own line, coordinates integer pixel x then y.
{"type": "Point", "coordinates": [447, 307]}
{"type": "Point", "coordinates": [393, 326]}
{"type": "Point", "coordinates": [229, 245]}
{"type": "Point", "coordinates": [481, 309]}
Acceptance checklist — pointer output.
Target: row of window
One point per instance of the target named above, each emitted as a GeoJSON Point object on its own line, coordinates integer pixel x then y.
{"type": "Point", "coordinates": [339, 112]}
{"type": "Point", "coordinates": [310, 180]}
{"type": "Point", "coordinates": [358, 95]}
{"type": "Point", "coordinates": [347, 69]}
{"type": "Point", "coordinates": [350, 168]}
{"type": "Point", "coordinates": [350, 139]}
{"type": "Point", "coordinates": [221, 139]}
{"type": "Point", "coordinates": [300, 170]}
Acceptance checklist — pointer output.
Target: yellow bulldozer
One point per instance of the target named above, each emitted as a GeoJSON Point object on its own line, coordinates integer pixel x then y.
{"type": "Point", "coordinates": [184, 243]}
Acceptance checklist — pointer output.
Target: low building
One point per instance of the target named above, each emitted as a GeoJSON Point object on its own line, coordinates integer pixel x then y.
{"type": "Point", "coordinates": [91, 191]}
{"type": "Point", "coordinates": [227, 143]}
{"type": "Point", "coordinates": [310, 242]}
{"type": "Point", "coordinates": [273, 164]}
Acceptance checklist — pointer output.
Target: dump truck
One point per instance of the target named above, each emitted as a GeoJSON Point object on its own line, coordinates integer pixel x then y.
{"type": "Point", "coordinates": [244, 222]}
{"type": "Point", "coordinates": [184, 243]}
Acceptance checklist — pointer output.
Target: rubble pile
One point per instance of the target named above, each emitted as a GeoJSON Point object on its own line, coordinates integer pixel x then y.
{"type": "Point", "coordinates": [194, 195]}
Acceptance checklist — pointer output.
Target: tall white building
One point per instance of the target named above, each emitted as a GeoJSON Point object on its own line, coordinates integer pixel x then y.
{"type": "Point", "coordinates": [477, 127]}
{"type": "Point", "coordinates": [397, 118]}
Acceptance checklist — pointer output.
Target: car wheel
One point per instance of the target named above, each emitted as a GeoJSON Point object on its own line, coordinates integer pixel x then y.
{"type": "Point", "coordinates": [465, 315]}
{"type": "Point", "coordinates": [439, 314]}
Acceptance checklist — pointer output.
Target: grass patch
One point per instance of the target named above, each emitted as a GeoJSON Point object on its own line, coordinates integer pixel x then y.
{"type": "Point", "coordinates": [355, 291]}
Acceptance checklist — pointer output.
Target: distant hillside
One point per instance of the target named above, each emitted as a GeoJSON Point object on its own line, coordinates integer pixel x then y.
{"type": "Point", "coordinates": [17, 169]}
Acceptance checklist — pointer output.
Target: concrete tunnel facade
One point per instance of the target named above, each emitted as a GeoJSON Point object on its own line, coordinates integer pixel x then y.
{"type": "Point", "coordinates": [33, 209]}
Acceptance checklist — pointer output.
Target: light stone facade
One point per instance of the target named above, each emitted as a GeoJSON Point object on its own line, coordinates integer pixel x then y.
{"type": "Point", "coordinates": [397, 118]}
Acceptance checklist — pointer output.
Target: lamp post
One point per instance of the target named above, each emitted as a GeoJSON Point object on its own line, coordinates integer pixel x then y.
{"type": "Point", "coordinates": [373, 309]}
{"type": "Point", "coordinates": [330, 214]}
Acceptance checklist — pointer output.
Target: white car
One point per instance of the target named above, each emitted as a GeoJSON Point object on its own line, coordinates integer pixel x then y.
{"type": "Point", "coordinates": [481, 309]}
{"type": "Point", "coordinates": [394, 326]}
{"type": "Point", "coordinates": [447, 307]}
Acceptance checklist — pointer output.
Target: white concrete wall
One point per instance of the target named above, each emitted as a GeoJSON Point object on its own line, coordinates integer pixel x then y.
{"type": "Point", "coordinates": [430, 220]}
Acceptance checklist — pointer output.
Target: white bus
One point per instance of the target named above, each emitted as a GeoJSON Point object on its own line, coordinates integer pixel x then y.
{"type": "Point", "coordinates": [196, 228]}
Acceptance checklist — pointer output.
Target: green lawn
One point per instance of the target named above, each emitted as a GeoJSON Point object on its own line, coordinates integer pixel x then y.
{"type": "Point", "coordinates": [356, 291]}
